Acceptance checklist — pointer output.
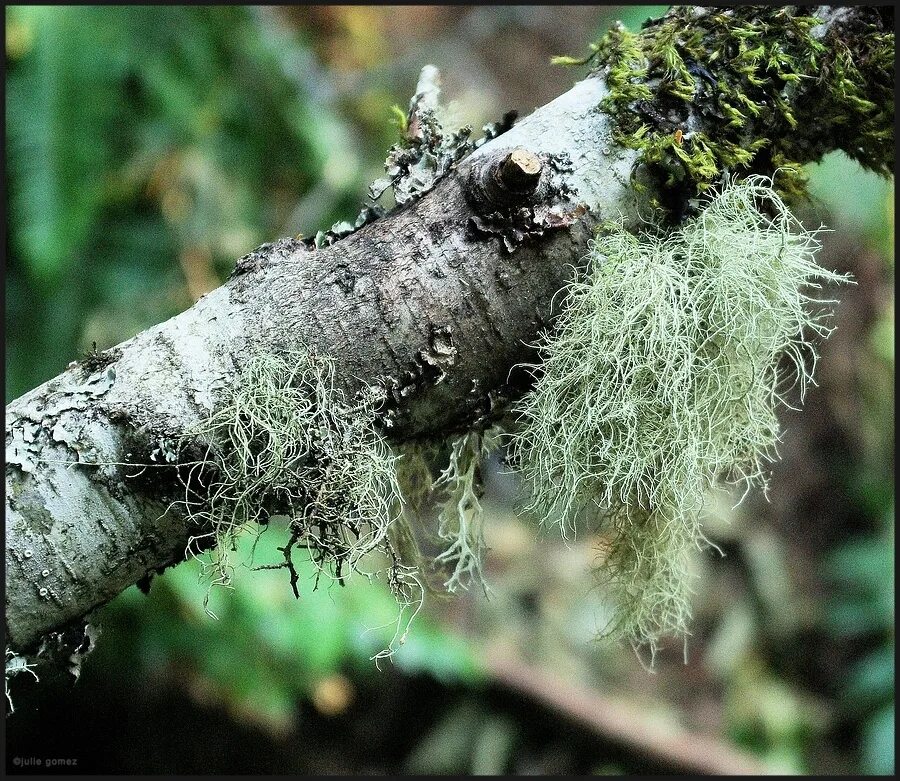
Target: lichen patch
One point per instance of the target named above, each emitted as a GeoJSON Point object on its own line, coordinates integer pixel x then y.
{"type": "Point", "coordinates": [663, 376]}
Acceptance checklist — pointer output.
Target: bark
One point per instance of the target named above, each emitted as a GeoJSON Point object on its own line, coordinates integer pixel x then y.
{"type": "Point", "coordinates": [423, 300]}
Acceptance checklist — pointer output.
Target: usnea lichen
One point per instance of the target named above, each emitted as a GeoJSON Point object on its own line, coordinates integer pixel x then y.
{"type": "Point", "coordinates": [703, 92]}
{"type": "Point", "coordinates": [447, 478]}
{"type": "Point", "coordinates": [285, 440]}
{"type": "Point", "coordinates": [288, 441]}
{"type": "Point", "coordinates": [662, 376]}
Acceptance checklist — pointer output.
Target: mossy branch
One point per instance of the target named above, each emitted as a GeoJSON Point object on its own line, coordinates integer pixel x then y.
{"type": "Point", "coordinates": [706, 92]}
{"type": "Point", "coordinates": [421, 303]}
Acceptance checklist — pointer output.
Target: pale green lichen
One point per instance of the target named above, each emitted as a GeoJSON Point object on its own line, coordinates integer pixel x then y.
{"type": "Point", "coordinates": [455, 497]}
{"type": "Point", "coordinates": [661, 377]}
{"type": "Point", "coordinates": [286, 440]}
{"type": "Point", "coordinates": [461, 516]}
{"type": "Point", "coordinates": [15, 665]}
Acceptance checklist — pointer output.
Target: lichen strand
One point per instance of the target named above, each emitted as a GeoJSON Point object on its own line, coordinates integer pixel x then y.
{"type": "Point", "coordinates": [287, 441]}
{"type": "Point", "coordinates": [704, 92]}
{"type": "Point", "coordinates": [663, 376]}
{"type": "Point", "coordinates": [15, 665]}
{"type": "Point", "coordinates": [461, 516]}
{"type": "Point", "coordinates": [447, 477]}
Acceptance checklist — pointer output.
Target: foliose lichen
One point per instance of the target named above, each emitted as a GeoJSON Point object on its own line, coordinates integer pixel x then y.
{"type": "Point", "coordinates": [428, 149]}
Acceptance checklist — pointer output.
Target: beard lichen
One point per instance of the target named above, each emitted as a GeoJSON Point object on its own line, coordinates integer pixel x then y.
{"type": "Point", "coordinates": [461, 516]}
{"type": "Point", "coordinates": [662, 377]}
{"type": "Point", "coordinates": [446, 478]}
{"type": "Point", "coordinates": [286, 440]}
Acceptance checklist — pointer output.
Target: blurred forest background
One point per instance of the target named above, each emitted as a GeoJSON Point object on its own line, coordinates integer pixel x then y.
{"type": "Point", "coordinates": [148, 149]}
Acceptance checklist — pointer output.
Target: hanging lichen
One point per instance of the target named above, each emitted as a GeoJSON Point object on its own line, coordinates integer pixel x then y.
{"type": "Point", "coordinates": [662, 376]}
{"type": "Point", "coordinates": [453, 498]}
{"type": "Point", "coordinates": [287, 441]}
{"type": "Point", "coordinates": [15, 665]}
{"type": "Point", "coordinates": [461, 516]}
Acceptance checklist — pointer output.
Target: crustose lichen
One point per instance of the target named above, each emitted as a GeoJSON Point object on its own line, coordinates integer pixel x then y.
{"type": "Point", "coordinates": [662, 376]}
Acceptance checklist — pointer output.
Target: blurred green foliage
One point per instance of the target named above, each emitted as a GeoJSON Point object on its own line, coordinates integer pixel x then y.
{"type": "Point", "coordinates": [860, 200]}
{"type": "Point", "coordinates": [137, 136]}
{"type": "Point", "coordinates": [262, 650]}
{"type": "Point", "coordinates": [862, 607]}
{"type": "Point", "coordinates": [468, 739]}
{"type": "Point", "coordinates": [634, 16]}
{"type": "Point", "coordinates": [861, 570]}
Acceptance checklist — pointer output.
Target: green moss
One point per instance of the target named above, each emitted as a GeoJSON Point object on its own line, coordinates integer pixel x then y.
{"type": "Point", "coordinates": [663, 375]}
{"type": "Point", "coordinates": [748, 76]}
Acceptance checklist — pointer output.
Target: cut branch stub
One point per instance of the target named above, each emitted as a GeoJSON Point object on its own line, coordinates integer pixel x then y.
{"type": "Point", "coordinates": [505, 179]}
{"type": "Point", "coordinates": [518, 195]}
{"type": "Point", "coordinates": [519, 171]}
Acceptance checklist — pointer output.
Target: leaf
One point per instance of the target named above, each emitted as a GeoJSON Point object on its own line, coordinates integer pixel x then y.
{"type": "Point", "coordinates": [399, 118]}
{"type": "Point", "coordinates": [878, 743]}
{"type": "Point", "coordinates": [60, 110]}
{"type": "Point", "coordinates": [872, 679]}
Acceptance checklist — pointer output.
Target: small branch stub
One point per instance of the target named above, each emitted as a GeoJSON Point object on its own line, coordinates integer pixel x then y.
{"type": "Point", "coordinates": [520, 171]}
{"type": "Point", "coordinates": [518, 195]}
{"type": "Point", "coordinates": [507, 179]}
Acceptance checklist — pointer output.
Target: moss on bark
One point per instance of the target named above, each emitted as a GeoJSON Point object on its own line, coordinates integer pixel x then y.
{"type": "Point", "coordinates": [704, 92]}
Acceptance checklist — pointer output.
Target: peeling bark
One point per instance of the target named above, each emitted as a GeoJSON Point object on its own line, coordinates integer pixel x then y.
{"type": "Point", "coordinates": [426, 301]}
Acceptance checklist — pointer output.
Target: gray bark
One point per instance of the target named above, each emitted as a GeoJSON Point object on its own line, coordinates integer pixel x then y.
{"type": "Point", "coordinates": [418, 301]}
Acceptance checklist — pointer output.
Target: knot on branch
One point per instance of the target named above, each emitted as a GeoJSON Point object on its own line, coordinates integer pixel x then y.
{"type": "Point", "coordinates": [517, 194]}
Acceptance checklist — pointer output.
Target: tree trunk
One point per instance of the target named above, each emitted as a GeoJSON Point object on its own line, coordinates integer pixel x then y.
{"type": "Point", "coordinates": [436, 301]}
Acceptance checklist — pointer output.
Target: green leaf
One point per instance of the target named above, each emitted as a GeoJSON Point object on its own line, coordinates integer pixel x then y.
{"type": "Point", "coordinates": [878, 743]}
{"type": "Point", "coordinates": [60, 112]}
{"type": "Point", "coordinates": [871, 680]}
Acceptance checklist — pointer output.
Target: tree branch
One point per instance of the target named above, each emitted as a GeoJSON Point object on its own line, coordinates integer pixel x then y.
{"type": "Point", "coordinates": [435, 301]}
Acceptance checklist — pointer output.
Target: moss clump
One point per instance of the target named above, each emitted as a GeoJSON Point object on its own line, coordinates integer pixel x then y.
{"type": "Point", "coordinates": [662, 376]}
{"type": "Point", "coordinates": [285, 440]}
{"type": "Point", "coordinates": [706, 92]}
